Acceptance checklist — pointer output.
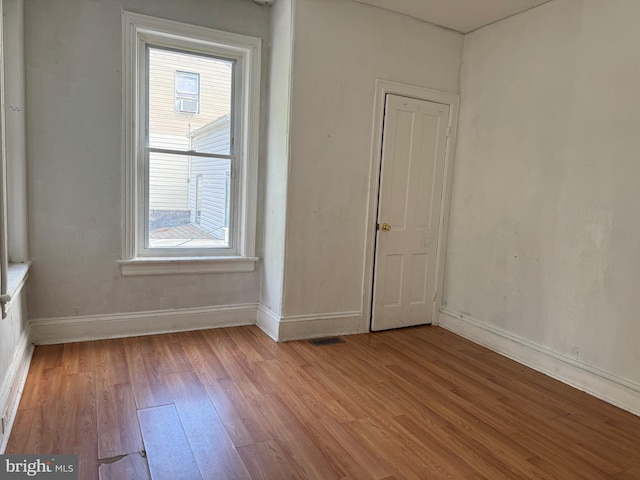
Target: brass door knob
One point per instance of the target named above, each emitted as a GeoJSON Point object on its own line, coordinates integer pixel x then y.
{"type": "Point", "coordinates": [385, 227]}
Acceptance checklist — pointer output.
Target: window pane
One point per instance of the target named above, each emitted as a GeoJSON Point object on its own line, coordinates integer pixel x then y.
{"type": "Point", "coordinates": [187, 84]}
{"type": "Point", "coordinates": [189, 201]}
{"type": "Point", "coordinates": [189, 101]}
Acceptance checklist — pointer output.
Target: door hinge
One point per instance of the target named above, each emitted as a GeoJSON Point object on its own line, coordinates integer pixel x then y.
{"type": "Point", "coordinates": [435, 295]}
{"type": "Point", "coordinates": [448, 132]}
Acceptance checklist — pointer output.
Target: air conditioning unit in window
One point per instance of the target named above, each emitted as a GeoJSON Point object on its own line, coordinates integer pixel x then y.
{"type": "Point", "coordinates": [189, 106]}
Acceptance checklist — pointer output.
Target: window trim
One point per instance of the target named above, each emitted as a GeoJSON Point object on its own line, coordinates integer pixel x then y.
{"type": "Point", "coordinates": [138, 31]}
{"type": "Point", "coordinates": [14, 255]}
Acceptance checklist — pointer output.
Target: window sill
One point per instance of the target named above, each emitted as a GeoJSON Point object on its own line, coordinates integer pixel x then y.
{"type": "Point", "coordinates": [183, 266]}
{"type": "Point", "coordinates": [17, 277]}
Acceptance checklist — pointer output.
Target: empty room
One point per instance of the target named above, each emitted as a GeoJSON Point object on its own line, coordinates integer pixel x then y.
{"type": "Point", "coordinates": [320, 239]}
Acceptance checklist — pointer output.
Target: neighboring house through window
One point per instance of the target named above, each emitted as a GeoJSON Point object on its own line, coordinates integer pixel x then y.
{"type": "Point", "coordinates": [190, 179]}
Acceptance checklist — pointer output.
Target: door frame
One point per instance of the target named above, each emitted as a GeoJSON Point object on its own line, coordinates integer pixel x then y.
{"type": "Point", "coordinates": [382, 88]}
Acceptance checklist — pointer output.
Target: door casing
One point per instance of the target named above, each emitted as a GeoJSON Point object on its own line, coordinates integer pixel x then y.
{"type": "Point", "coordinates": [382, 89]}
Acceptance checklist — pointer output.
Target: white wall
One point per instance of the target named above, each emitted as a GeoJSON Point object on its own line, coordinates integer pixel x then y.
{"type": "Point", "coordinates": [15, 111]}
{"type": "Point", "coordinates": [15, 355]}
{"type": "Point", "coordinates": [340, 48]}
{"type": "Point", "coordinates": [544, 228]}
{"type": "Point", "coordinates": [73, 60]}
{"type": "Point", "coordinates": [15, 349]}
{"type": "Point", "coordinates": [277, 158]}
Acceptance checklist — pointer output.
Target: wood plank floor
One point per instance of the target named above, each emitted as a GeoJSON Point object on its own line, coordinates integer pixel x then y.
{"type": "Point", "coordinates": [418, 403]}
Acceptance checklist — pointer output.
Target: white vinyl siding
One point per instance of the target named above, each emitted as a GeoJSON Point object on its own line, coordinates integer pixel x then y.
{"type": "Point", "coordinates": [169, 175]}
{"type": "Point", "coordinates": [216, 177]}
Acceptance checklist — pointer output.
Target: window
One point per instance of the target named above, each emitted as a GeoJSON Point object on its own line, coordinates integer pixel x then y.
{"type": "Point", "coordinates": [14, 257]}
{"type": "Point", "coordinates": [185, 154]}
{"type": "Point", "coordinates": [187, 92]}
{"type": "Point", "coordinates": [190, 179]}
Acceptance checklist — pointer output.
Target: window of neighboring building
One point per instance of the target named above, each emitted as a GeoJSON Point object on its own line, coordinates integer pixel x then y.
{"type": "Point", "coordinates": [191, 179]}
{"type": "Point", "coordinates": [187, 92]}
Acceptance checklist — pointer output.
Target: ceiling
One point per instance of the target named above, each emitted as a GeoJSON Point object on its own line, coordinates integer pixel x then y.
{"type": "Point", "coordinates": [461, 15]}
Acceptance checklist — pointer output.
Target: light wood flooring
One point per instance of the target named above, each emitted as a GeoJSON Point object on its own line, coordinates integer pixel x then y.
{"type": "Point", "coordinates": [418, 403]}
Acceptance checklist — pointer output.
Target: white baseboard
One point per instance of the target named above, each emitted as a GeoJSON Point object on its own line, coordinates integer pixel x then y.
{"type": "Point", "coordinates": [95, 327]}
{"type": "Point", "coordinates": [301, 327]}
{"type": "Point", "coordinates": [13, 384]}
{"type": "Point", "coordinates": [268, 321]}
{"type": "Point", "coordinates": [603, 385]}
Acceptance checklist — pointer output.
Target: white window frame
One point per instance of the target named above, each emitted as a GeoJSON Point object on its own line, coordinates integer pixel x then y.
{"type": "Point", "coordinates": [138, 32]}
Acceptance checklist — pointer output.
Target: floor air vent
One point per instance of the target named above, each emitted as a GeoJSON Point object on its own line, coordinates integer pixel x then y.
{"type": "Point", "coordinates": [321, 342]}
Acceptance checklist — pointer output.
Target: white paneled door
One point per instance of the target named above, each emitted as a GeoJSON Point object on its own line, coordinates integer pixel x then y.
{"type": "Point", "coordinates": [409, 210]}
